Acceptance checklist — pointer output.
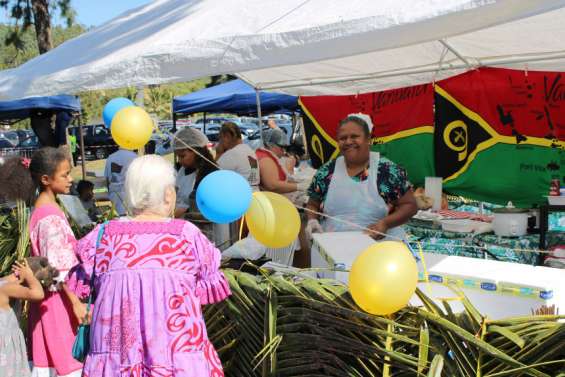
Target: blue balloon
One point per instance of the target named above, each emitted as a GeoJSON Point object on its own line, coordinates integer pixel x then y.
{"type": "Point", "coordinates": [223, 196]}
{"type": "Point", "coordinates": [112, 107]}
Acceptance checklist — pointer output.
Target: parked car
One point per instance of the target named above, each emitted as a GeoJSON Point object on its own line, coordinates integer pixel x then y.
{"type": "Point", "coordinates": [11, 137]}
{"type": "Point", "coordinates": [277, 117]}
{"type": "Point", "coordinates": [98, 142]}
{"type": "Point", "coordinates": [21, 143]}
{"type": "Point", "coordinates": [166, 125]}
{"type": "Point", "coordinates": [211, 122]}
{"type": "Point", "coordinates": [27, 139]}
{"type": "Point", "coordinates": [254, 139]}
{"type": "Point", "coordinates": [213, 131]}
{"type": "Point", "coordinates": [248, 129]}
{"type": "Point", "coordinates": [163, 143]}
{"type": "Point", "coordinates": [6, 143]}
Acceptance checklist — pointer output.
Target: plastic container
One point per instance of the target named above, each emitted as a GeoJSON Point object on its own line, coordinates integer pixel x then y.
{"type": "Point", "coordinates": [556, 200]}
{"type": "Point", "coordinates": [433, 186]}
{"type": "Point", "coordinates": [459, 226]}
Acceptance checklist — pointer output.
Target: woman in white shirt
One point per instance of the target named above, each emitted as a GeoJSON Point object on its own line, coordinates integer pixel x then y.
{"type": "Point", "coordinates": [233, 155]}
{"type": "Point", "coordinates": [115, 172]}
{"type": "Point", "coordinates": [193, 167]}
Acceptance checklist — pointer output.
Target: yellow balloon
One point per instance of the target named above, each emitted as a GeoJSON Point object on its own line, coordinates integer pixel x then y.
{"type": "Point", "coordinates": [131, 127]}
{"type": "Point", "coordinates": [272, 219]}
{"type": "Point", "coordinates": [383, 278]}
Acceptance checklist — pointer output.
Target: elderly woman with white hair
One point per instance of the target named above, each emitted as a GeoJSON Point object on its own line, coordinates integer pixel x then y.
{"type": "Point", "coordinates": [360, 190]}
{"type": "Point", "coordinates": [152, 273]}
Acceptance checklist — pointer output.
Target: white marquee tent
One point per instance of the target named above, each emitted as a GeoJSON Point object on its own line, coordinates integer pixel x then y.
{"type": "Point", "coordinates": [300, 46]}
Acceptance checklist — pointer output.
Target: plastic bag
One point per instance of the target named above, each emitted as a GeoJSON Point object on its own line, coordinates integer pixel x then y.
{"type": "Point", "coordinates": [247, 248]}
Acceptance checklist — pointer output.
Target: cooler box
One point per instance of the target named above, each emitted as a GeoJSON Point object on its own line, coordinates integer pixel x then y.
{"type": "Point", "coordinates": [496, 289]}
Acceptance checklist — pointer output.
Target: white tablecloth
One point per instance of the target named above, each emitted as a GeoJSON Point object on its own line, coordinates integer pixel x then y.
{"type": "Point", "coordinates": [497, 289]}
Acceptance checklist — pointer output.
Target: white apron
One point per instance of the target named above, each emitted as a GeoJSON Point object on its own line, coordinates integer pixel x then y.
{"type": "Point", "coordinates": [184, 186]}
{"type": "Point", "coordinates": [355, 202]}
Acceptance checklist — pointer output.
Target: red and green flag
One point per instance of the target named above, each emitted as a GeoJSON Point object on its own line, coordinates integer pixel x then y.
{"type": "Point", "coordinates": [492, 134]}
{"type": "Point", "coordinates": [499, 134]}
{"type": "Point", "coordinates": [402, 120]}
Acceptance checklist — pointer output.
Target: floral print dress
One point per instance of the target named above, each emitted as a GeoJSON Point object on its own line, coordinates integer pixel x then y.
{"type": "Point", "coordinates": [151, 279]}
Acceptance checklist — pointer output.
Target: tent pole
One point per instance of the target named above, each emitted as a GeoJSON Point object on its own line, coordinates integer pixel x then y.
{"type": "Point", "coordinates": [174, 130]}
{"type": "Point", "coordinates": [303, 132]}
{"type": "Point", "coordinates": [294, 123]}
{"type": "Point", "coordinates": [259, 116]}
{"type": "Point", "coordinates": [82, 154]}
{"type": "Point", "coordinates": [68, 141]}
{"type": "Point", "coordinates": [204, 124]}
{"type": "Point", "coordinates": [456, 53]}
{"type": "Point", "coordinates": [365, 77]}
{"type": "Point", "coordinates": [411, 71]}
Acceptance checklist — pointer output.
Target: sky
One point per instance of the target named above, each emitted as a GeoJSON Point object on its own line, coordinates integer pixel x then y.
{"type": "Point", "coordinates": [94, 12]}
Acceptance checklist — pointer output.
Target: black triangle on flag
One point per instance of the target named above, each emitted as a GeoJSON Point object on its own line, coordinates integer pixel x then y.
{"type": "Point", "coordinates": [457, 137]}
{"type": "Point", "coordinates": [320, 149]}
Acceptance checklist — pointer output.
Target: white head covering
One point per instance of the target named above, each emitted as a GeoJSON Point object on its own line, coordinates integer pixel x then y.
{"type": "Point", "coordinates": [366, 118]}
{"type": "Point", "coordinates": [189, 137]}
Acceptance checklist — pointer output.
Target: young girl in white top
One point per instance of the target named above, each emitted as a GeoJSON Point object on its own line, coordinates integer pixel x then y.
{"type": "Point", "coordinates": [24, 284]}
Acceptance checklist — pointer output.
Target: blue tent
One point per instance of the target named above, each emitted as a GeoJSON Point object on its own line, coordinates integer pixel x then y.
{"type": "Point", "coordinates": [23, 108]}
{"type": "Point", "coordinates": [233, 97]}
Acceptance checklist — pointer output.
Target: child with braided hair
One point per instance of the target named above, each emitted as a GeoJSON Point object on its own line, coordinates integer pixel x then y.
{"type": "Point", "coordinates": [27, 282]}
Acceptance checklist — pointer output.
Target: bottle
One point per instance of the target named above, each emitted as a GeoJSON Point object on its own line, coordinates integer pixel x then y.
{"type": "Point", "coordinates": [554, 188]}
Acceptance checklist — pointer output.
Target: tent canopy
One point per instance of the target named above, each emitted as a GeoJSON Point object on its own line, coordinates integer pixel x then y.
{"type": "Point", "coordinates": [236, 97]}
{"type": "Point", "coordinates": [23, 108]}
{"type": "Point", "coordinates": [308, 47]}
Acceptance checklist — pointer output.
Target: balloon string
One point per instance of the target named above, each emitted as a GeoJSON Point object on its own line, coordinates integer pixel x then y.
{"type": "Point", "coordinates": [389, 236]}
{"type": "Point", "coordinates": [241, 227]}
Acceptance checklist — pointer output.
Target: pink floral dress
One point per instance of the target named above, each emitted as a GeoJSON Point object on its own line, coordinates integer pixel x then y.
{"type": "Point", "coordinates": [51, 322]}
{"type": "Point", "coordinates": [151, 279]}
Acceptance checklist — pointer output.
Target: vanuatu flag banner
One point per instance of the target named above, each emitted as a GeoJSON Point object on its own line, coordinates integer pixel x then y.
{"type": "Point", "coordinates": [500, 134]}
{"type": "Point", "coordinates": [495, 135]}
{"type": "Point", "coordinates": [402, 120]}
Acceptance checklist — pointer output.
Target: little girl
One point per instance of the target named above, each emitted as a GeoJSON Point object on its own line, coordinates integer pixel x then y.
{"type": "Point", "coordinates": [53, 321]}
{"type": "Point", "coordinates": [23, 284]}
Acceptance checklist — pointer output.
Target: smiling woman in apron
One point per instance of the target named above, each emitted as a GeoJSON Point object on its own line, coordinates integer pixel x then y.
{"type": "Point", "coordinates": [360, 189]}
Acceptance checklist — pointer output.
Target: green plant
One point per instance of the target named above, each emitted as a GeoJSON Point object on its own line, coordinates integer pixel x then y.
{"type": "Point", "coordinates": [291, 326]}
{"type": "Point", "coordinates": [14, 236]}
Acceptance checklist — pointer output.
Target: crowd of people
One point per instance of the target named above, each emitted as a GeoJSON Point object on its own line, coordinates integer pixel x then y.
{"type": "Point", "coordinates": [150, 269]}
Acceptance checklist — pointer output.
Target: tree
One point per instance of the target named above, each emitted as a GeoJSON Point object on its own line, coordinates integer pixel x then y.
{"type": "Point", "coordinates": [37, 13]}
{"type": "Point", "coordinates": [219, 79]}
{"type": "Point", "coordinates": [11, 57]}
